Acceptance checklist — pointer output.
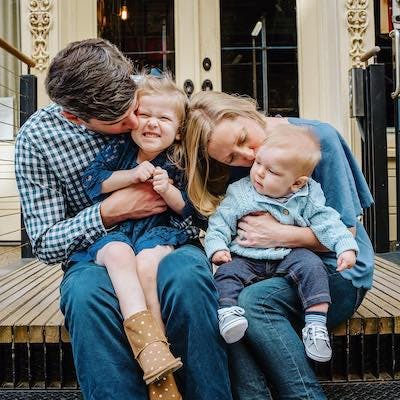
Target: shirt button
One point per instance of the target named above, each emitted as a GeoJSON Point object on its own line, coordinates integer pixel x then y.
{"type": "Point", "coordinates": [285, 211]}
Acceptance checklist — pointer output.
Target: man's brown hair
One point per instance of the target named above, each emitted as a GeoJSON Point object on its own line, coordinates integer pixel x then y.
{"type": "Point", "coordinates": [91, 79]}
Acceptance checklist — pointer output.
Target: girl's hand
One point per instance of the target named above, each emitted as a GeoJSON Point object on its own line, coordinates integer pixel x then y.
{"type": "Point", "coordinates": [161, 180]}
{"type": "Point", "coordinates": [346, 260]}
{"type": "Point", "coordinates": [221, 257]}
{"type": "Point", "coordinates": [143, 172]}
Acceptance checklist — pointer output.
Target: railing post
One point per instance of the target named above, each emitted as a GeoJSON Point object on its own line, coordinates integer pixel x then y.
{"type": "Point", "coordinates": [367, 104]}
{"type": "Point", "coordinates": [28, 105]}
{"type": "Point", "coordinates": [376, 155]}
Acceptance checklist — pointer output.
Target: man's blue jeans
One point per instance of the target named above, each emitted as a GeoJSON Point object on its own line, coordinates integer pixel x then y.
{"type": "Point", "coordinates": [272, 353]}
{"type": "Point", "coordinates": [104, 362]}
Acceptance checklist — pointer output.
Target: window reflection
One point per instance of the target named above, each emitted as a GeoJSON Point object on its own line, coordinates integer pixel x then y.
{"type": "Point", "coordinates": [147, 34]}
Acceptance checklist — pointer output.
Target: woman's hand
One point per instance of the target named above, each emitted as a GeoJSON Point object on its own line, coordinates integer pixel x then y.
{"type": "Point", "coordinates": [262, 230]}
{"type": "Point", "coordinates": [259, 230]}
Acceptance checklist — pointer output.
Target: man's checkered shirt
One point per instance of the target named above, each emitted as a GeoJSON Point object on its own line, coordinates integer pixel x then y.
{"type": "Point", "coordinates": [50, 156]}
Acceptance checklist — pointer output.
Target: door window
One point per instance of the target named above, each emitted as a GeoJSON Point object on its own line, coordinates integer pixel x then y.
{"type": "Point", "coordinates": [262, 65]}
{"type": "Point", "coordinates": [143, 30]}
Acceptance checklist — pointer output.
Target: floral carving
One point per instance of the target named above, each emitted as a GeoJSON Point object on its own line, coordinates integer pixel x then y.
{"type": "Point", "coordinates": [357, 23]}
{"type": "Point", "coordinates": [39, 23]}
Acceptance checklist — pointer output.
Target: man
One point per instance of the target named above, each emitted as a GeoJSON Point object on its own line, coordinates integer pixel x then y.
{"type": "Point", "coordinates": [91, 84]}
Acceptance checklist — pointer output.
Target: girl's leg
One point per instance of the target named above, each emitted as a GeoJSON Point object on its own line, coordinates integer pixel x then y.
{"type": "Point", "coordinates": [144, 335]}
{"type": "Point", "coordinates": [189, 307]}
{"type": "Point", "coordinates": [120, 262]}
{"type": "Point", "coordinates": [147, 267]}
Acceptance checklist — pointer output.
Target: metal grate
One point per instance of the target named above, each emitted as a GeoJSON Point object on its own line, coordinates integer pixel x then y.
{"type": "Point", "coordinates": [37, 366]}
{"type": "Point", "coordinates": [362, 358]}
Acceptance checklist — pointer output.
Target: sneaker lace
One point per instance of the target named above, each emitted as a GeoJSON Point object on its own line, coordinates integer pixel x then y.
{"type": "Point", "coordinates": [231, 311]}
{"type": "Point", "coordinates": [319, 332]}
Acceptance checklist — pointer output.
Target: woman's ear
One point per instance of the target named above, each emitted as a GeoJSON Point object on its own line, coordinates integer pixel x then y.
{"type": "Point", "coordinates": [299, 183]}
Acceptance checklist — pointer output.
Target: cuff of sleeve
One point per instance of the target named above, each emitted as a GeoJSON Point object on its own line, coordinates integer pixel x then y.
{"type": "Point", "coordinates": [346, 244]}
{"type": "Point", "coordinates": [94, 223]}
{"type": "Point", "coordinates": [211, 248]}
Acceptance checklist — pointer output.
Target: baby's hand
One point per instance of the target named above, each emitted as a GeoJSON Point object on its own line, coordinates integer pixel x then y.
{"type": "Point", "coordinates": [221, 257]}
{"type": "Point", "coordinates": [142, 172]}
{"type": "Point", "coordinates": [160, 180]}
{"type": "Point", "coordinates": [346, 260]}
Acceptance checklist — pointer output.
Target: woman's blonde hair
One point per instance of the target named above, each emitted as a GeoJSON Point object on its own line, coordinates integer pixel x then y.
{"type": "Point", "coordinates": [208, 178]}
{"type": "Point", "coordinates": [148, 85]}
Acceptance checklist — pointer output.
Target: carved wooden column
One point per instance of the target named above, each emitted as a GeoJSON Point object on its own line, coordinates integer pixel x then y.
{"type": "Point", "coordinates": [39, 23]}
{"type": "Point", "coordinates": [357, 24]}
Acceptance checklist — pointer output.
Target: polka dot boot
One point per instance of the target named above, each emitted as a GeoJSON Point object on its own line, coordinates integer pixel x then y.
{"type": "Point", "coordinates": [150, 346]}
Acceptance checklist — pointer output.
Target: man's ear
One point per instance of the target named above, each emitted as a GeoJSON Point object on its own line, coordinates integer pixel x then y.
{"type": "Point", "coordinates": [71, 117]}
{"type": "Point", "coordinates": [299, 183]}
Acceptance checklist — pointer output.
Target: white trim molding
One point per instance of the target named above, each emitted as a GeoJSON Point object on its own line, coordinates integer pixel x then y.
{"type": "Point", "coordinates": [357, 25]}
{"type": "Point", "coordinates": [39, 24]}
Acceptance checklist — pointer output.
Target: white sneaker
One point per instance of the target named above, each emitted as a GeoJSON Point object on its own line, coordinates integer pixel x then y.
{"type": "Point", "coordinates": [316, 342]}
{"type": "Point", "coordinates": [232, 323]}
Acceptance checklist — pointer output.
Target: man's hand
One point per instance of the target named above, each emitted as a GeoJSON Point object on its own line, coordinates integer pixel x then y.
{"type": "Point", "coordinates": [346, 260]}
{"type": "Point", "coordinates": [133, 202]}
{"type": "Point", "coordinates": [142, 172]}
{"type": "Point", "coordinates": [221, 257]}
{"type": "Point", "coordinates": [161, 180]}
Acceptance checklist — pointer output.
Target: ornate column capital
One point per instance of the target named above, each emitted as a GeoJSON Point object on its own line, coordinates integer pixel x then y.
{"type": "Point", "coordinates": [357, 24]}
{"type": "Point", "coordinates": [39, 24]}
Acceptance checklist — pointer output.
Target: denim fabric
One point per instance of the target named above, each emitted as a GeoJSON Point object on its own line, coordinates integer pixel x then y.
{"type": "Point", "coordinates": [104, 362]}
{"type": "Point", "coordinates": [300, 266]}
{"type": "Point", "coordinates": [272, 306]}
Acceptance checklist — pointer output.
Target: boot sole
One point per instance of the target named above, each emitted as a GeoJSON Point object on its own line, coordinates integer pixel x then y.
{"type": "Point", "coordinates": [171, 367]}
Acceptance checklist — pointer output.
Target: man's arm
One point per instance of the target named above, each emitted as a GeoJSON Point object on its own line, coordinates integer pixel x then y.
{"type": "Point", "coordinates": [134, 202]}
{"type": "Point", "coordinates": [54, 236]}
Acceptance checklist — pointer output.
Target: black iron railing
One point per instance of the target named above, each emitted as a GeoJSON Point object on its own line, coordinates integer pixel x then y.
{"type": "Point", "coordinates": [368, 106]}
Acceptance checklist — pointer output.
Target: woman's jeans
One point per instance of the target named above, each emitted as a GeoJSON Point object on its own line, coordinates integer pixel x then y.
{"type": "Point", "coordinates": [272, 352]}
{"type": "Point", "coordinates": [104, 362]}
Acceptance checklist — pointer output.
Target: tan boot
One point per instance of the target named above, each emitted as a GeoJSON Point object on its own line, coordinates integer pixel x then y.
{"type": "Point", "coordinates": [150, 346]}
{"type": "Point", "coordinates": [164, 389]}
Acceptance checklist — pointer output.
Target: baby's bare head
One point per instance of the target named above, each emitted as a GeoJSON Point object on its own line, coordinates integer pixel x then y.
{"type": "Point", "coordinates": [301, 147]}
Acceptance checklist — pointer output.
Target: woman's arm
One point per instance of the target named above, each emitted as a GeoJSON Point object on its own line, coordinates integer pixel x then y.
{"type": "Point", "coordinates": [264, 231]}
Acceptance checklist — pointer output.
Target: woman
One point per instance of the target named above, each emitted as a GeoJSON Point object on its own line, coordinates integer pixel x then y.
{"type": "Point", "coordinates": [225, 131]}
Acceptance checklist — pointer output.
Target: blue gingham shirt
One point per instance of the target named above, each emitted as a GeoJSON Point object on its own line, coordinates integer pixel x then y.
{"type": "Point", "coordinates": [50, 156]}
